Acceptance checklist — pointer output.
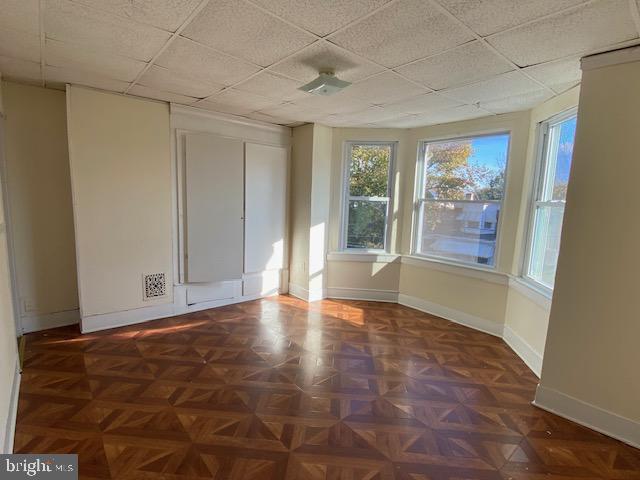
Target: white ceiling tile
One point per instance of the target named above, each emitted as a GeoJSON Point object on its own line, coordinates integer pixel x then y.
{"type": "Point", "coordinates": [57, 75]}
{"type": "Point", "coordinates": [404, 31]}
{"type": "Point", "coordinates": [243, 30]}
{"type": "Point", "coordinates": [20, 15]}
{"type": "Point", "coordinates": [323, 56]}
{"type": "Point", "coordinates": [198, 61]}
{"type": "Point", "coordinates": [457, 114]}
{"type": "Point", "coordinates": [19, 44]}
{"type": "Point", "coordinates": [559, 75]}
{"type": "Point", "coordinates": [490, 16]}
{"type": "Point", "coordinates": [466, 64]}
{"type": "Point", "coordinates": [496, 88]}
{"type": "Point", "coordinates": [165, 14]}
{"type": "Point", "coordinates": [169, 81]}
{"type": "Point", "coordinates": [341, 102]}
{"type": "Point", "coordinates": [74, 23]}
{"type": "Point", "coordinates": [236, 102]}
{"type": "Point", "coordinates": [384, 88]}
{"type": "Point", "coordinates": [272, 86]}
{"type": "Point", "coordinates": [148, 92]}
{"type": "Point", "coordinates": [263, 117]}
{"type": "Point", "coordinates": [20, 70]}
{"type": "Point", "coordinates": [293, 113]}
{"type": "Point", "coordinates": [515, 103]}
{"type": "Point", "coordinates": [584, 29]}
{"type": "Point", "coordinates": [368, 115]}
{"type": "Point", "coordinates": [76, 57]}
{"type": "Point", "coordinates": [321, 17]}
{"type": "Point", "coordinates": [429, 102]}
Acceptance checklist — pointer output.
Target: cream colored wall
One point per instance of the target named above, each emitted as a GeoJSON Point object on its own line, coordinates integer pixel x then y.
{"type": "Point", "coordinates": [527, 319]}
{"type": "Point", "coordinates": [320, 207]}
{"type": "Point", "coordinates": [119, 151]}
{"type": "Point", "coordinates": [39, 191]}
{"type": "Point", "coordinates": [8, 347]}
{"type": "Point", "coordinates": [300, 204]}
{"type": "Point", "coordinates": [592, 351]}
{"type": "Point", "coordinates": [364, 275]}
{"type": "Point", "coordinates": [469, 294]}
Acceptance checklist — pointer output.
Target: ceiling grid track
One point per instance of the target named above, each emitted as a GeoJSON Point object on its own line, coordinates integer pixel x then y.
{"type": "Point", "coordinates": [173, 36]}
{"type": "Point", "coordinates": [362, 101]}
{"type": "Point", "coordinates": [43, 62]}
{"type": "Point", "coordinates": [635, 13]}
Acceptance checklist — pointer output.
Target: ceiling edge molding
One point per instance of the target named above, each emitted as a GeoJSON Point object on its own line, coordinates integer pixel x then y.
{"type": "Point", "coordinates": [615, 57]}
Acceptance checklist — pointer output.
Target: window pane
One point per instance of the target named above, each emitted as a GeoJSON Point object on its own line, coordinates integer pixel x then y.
{"type": "Point", "coordinates": [558, 162]}
{"type": "Point", "coordinates": [367, 221]}
{"type": "Point", "coordinates": [546, 244]}
{"type": "Point", "coordinates": [369, 170]}
{"type": "Point", "coordinates": [463, 231]}
{"type": "Point", "coordinates": [471, 168]}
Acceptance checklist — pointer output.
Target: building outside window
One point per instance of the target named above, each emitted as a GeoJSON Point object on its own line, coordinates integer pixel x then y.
{"type": "Point", "coordinates": [460, 188]}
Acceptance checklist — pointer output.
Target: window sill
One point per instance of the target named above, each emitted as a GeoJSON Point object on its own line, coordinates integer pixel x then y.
{"type": "Point", "coordinates": [529, 290]}
{"type": "Point", "coordinates": [363, 256]}
{"type": "Point", "coordinates": [480, 273]}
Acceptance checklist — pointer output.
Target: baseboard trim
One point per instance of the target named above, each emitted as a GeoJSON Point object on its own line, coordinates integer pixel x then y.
{"type": "Point", "coordinates": [362, 294]}
{"type": "Point", "coordinates": [587, 415]}
{"type": "Point", "coordinates": [106, 321]}
{"type": "Point", "coordinates": [305, 294]}
{"type": "Point", "coordinates": [45, 321]}
{"type": "Point", "coordinates": [12, 414]}
{"type": "Point", "coordinates": [452, 315]}
{"type": "Point", "coordinates": [526, 352]}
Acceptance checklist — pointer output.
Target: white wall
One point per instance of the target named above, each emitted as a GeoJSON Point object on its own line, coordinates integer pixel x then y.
{"type": "Point", "coordinates": [590, 369]}
{"type": "Point", "coordinates": [8, 346]}
{"type": "Point", "coordinates": [41, 215]}
{"type": "Point", "coordinates": [120, 159]}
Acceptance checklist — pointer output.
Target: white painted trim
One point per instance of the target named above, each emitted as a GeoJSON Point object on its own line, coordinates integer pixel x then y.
{"type": "Point", "coordinates": [526, 290]}
{"type": "Point", "coordinates": [607, 59]}
{"type": "Point", "coordinates": [44, 321]}
{"type": "Point", "coordinates": [464, 270]}
{"type": "Point", "coordinates": [526, 352]}
{"type": "Point", "coordinates": [370, 294]}
{"type": "Point", "coordinates": [299, 292]}
{"type": "Point", "coordinates": [369, 257]}
{"type": "Point", "coordinates": [12, 414]}
{"type": "Point", "coordinates": [453, 315]}
{"type": "Point", "coordinates": [608, 423]}
{"type": "Point", "coordinates": [105, 321]}
{"type": "Point", "coordinates": [305, 294]}
{"type": "Point", "coordinates": [185, 110]}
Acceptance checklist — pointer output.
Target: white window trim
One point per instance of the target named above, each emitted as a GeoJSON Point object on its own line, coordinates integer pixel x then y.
{"type": "Point", "coordinates": [542, 132]}
{"type": "Point", "coordinates": [419, 184]}
{"type": "Point", "coordinates": [346, 163]}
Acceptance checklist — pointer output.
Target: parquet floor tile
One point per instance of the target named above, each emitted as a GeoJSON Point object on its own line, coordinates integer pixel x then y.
{"type": "Point", "coordinates": [280, 389]}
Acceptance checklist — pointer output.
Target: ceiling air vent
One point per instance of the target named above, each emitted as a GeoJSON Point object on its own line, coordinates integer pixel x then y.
{"type": "Point", "coordinates": [154, 285]}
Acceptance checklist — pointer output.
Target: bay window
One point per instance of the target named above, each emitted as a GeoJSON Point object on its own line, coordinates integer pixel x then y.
{"type": "Point", "coordinates": [460, 186]}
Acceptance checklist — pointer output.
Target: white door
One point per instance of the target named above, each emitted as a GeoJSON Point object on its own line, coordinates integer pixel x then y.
{"type": "Point", "coordinates": [213, 208]}
{"type": "Point", "coordinates": [265, 213]}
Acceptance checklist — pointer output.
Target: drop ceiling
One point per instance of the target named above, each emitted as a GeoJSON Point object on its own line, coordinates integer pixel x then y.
{"type": "Point", "coordinates": [412, 62]}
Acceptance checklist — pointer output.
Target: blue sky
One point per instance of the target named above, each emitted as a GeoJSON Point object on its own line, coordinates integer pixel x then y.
{"type": "Point", "coordinates": [567, 135]}
{"type": "Point", "coordinates": [490, 151]}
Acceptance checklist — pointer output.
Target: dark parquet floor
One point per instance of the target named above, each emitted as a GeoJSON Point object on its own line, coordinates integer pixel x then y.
{"type": "Point", "coordinates": [279, 389]}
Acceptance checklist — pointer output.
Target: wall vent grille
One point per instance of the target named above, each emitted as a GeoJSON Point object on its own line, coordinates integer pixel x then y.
{"type": "Point", "coordinates": [155, 285]}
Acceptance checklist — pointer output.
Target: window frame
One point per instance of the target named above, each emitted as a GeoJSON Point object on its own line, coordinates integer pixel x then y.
{"type": "Point", "coordinates": [345, 197]}
{"type": "Point", "coordinates": [542, 134]}
{"type": "Point", "coordinates": [418, 199]}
